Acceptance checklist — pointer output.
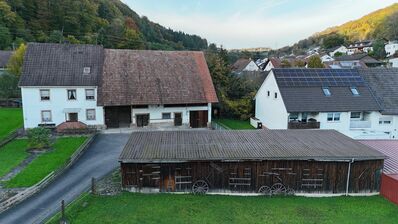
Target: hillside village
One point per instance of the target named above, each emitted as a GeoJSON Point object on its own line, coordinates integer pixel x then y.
{"type": "Point", "coordinates": [175, 131]}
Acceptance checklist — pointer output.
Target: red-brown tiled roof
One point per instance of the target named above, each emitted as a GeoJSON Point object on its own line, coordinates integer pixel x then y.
{"type": "Point", "coordinates": [390, 149]}
{"type": "Point", "coordinates": [132, 77]}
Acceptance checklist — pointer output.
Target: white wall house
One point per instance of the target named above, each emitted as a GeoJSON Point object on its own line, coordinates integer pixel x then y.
{"type": "Point", "coordinates": [53, 105]}
{"type": "Point", "coordinates": [272, 63]}
{"type": "Point", "coordinates": [391, 48]}
{"type": "Point", "coordinates": [245, 65]}
{"type": "Point", "coordinates": [298, 99]}
{"type": "Point", "coordinates": [342, 49]}
{"type": "Point", "coordinates": [393, 62]}
{"type": "Point", "coordinates": [326, 58]}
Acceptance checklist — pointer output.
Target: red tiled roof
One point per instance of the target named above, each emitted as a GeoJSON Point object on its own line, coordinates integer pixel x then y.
{"type": "Point", "coordinates": [390, 149]}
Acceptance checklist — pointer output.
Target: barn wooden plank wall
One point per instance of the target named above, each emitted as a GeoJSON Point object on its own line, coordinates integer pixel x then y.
{"type": "Point", "coordinates": [301, 176]}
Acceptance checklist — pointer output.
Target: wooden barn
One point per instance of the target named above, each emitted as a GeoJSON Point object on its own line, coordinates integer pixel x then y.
{"type": "Point", "coordinates": [259, 161]}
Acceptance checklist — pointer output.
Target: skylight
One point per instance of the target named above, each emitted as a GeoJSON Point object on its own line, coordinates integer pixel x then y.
{"type": "Point", "coordinates": [354, 91]}
{"type": "Point", "coordinates": [86, 70]}
{"type": "Point", "coordinates": [326, 91]}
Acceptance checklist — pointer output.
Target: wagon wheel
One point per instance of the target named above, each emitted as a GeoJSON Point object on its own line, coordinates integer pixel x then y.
{"type": "Point", "coordinates": [200, 187]}
{"type": "Point", "coordinates": [265, 190]}
{"type": "Point", "coordinates": [278, 189]}
{"type": "Point", "coordinates": [290, 191]}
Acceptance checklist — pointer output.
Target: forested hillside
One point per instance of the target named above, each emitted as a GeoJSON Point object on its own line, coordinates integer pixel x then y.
{"type": "Point", "coordinates": [107, 22]}
{"type": "Point", "coordinates": [381, 24]}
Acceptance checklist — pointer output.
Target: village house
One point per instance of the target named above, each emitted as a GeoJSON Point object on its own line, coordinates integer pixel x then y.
{"type": "Point", "coordinates": [360, 47]}
{"type": "Point", "coordinates": [75, 86]}
{"type": "Point", "coordinates": [267, 162]}
{"type": "Point", "coordinates": [339, 49]}
{"type": "Point", "coordinates": [245, 65]}
{"type": "Point", "coordinates": [362, 60]}
{"type": "Point", "coordinates": [273, 63]}
{"type": "Point", "coordinates": [391, 47]}
{"type": "Point", "coordinates": [338, 99]}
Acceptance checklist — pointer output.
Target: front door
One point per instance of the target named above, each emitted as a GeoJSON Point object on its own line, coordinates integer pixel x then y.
{"type": "Point", "coordinates": [198, 119]}
{"type": "Point", "coordinates": [73, 117]}
{"type": "Point", "coordinates": [142, 120]}
{"type": "Point", "coordinates": [177, 119]}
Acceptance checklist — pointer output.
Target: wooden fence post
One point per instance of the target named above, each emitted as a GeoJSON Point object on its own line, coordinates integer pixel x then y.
{"type": "Point", "coordinates": [63, 219]}
{"type": "Point", "coordinates": [93, 185]}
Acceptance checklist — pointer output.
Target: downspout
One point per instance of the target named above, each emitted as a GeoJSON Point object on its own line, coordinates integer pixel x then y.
{"type": "Point", "coordinates": [348, 175]}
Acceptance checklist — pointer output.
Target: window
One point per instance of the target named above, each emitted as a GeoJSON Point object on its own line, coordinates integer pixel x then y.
{"type": "Point", "coordinates": [333, 117]}
{"type": "Point", "coordinates": [269, 93]}
{"type": "Point", "coordinates": [71, 94]}
{"type": "Point", "coordinates": [385, 120]}
{"type": "Point", "coordinates": [355, 115]}
{"type": "Point", "coordinates": [45, 94]}
{"type": "Point", "coordinates": [46, 116]}
{"type": "Point", "coordinates": [166, 116]}
{"type": "Point", "coordinates": [326, 91]}
{"type": "Point", "coordinates": [354, 91]}
{"type": "Point", "coordinates": [90, 114]}
{"type": "Point", "coordinates": [90, 94]}
{"type": "Point", "coordinates": [87, 70]}
{"type": "Point", "coordinates": [276, 95]}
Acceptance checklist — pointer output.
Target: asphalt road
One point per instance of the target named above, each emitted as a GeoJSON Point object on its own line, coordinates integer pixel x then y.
{"type": "Point", "coordinates": [99, 159]}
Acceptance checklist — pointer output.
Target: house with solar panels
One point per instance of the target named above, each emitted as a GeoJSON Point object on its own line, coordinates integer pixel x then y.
{"type": "Point", "coordinates": [338, 99]}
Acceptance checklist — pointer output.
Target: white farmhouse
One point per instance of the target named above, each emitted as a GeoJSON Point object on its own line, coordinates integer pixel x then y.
{"type": "Point", "coordinates": [360, 47]}
{"type": "Point", "coordinates": [75, 86]}
{"type": "Point", "coordinates": [391, 48]}
{"type": "Point", "coordinates": [273, 63]}
{"type": "Point", "coordinates": [340, 49]}
{"type": "Point", "coordinates": [245, 65]}
{"type": "Point", "coordinates": [337, 99]}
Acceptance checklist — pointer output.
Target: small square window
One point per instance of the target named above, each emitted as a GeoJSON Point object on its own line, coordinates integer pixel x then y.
{"type": "Point", "coordinates": [355, 115]}
{"type": "Point", "coordinates": [45, 94]}
{"type": "Point", "coordinates": [354, 91]}
{"type": "Point", "coordinates": [72, 94]}
{"type": "Point", "coordinates": [90, 94]}
{"type": "Point", "coordinates": [90, 114]}
{"type": "Point", "coordinates": [166, 116]}
{"type": "Point", "coordinates": [333, 117]}
{"type": "Point", "coordinates": [326, 91]}
{"type": "Point", "coordinates": [87, 70]}
{"type": "Point", "coordinates": [46, 116]}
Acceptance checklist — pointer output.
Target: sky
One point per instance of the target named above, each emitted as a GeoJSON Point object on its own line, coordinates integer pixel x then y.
{"type": "Point", "coordinates": [254, 23]}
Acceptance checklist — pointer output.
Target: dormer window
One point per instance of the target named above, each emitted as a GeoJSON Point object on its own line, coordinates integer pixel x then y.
{"type": "Point", "coordinates": [86, 70]}
{"type": "Point", "coordinates": [354, 91]}
{"type": "Point", "coordinates": [326, 91]}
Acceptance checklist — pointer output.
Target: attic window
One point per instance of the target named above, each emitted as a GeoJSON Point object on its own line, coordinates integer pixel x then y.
{"type": "Point", "coordinates": [354, 91]}
{"type": "Point", "coordinates": [86, 70]}
{"type": "Point", "coordinates": [326, 91]}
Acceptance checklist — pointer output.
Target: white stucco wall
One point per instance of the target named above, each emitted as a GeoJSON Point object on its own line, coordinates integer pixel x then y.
{"type": "Point", "coordinates": [394, 62]}
{"type": "Point", "coordinates": [270, 111]}
{"type": "Point", "coordinates": [251, 67]}
{"type": "Point", "coordinates": [269, 67]}
{"type": "Point", "coordinates": [391, 48]}
{"type": "Point", "coordinates": [33, 105]}
{"type": "Point", "coordinates": [155, 113]}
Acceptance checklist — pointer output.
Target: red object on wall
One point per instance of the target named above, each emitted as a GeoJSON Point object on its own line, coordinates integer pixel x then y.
{"type": "Point", "coordinates": [389, 187]}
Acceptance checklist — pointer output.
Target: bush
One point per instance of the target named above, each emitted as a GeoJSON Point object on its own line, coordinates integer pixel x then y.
{"type": "Point", "coordinates": [39, 138]}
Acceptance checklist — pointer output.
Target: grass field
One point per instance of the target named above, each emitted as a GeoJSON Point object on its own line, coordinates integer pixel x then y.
{"type": "Point", "coordinates": [47, 162]}
{"type": "Point", "coordinates": [11, 155]}
{"type": "Point", "coordinates": [166, 208]}
{"type": "Point", "coordinates": [10, 120]}
{"type": "Point", "coordinates": [234, 124]}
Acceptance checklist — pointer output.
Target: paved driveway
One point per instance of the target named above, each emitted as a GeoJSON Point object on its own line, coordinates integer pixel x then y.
{"type": "Point", "coordinates": [99, 159]}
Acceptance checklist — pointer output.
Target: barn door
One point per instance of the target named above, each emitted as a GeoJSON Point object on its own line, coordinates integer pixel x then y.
{"type": "Point", "coordinates": [142, 120]}
{"type": "Point", "coordinates": [177, 119]}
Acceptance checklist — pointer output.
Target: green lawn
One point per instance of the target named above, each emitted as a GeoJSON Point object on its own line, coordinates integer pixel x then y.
{"type": "Point", "coordinates": [234, 124]}
{"type": "Point", "coordinates": [47, 162]}
{"type": "Point", "coordinates": [166, 208]}
{"type": "Point", "coordinates": [10, 120]}
{"type": "Point", "coordinates": [11, 155]}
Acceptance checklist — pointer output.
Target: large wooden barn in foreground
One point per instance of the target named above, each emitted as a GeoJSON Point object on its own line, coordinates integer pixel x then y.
{"type": "Point", "coordinates": [260, 161]}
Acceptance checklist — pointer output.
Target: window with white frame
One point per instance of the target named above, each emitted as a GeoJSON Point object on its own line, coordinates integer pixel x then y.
{"type": "Point", "coordinates": [46, 116]}
{"type": "Point", "coordinates": [166, 116]}
{"type": "Point", "coordinates": [45, 94]}
{"type": "Point", "coordinates": [90, 94]}
{"type": "Point", "coordinates": [72, 94]}
{"type": "Point", "coordinates": [90, 114]}
{"type": "Point", "coordinates": [334, 117]}
{"type": "Point", "coordinates": [86, 70]}
{"type": "Point", "coordinates": [293, 116]}
{"type": "Point", "coordinates": [326, 91]}
{"type": "Point", "coordinates": [354, 91]}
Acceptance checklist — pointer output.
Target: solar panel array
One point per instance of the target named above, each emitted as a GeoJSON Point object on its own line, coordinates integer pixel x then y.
{"type": "Point", "coordinates": [318, 78]}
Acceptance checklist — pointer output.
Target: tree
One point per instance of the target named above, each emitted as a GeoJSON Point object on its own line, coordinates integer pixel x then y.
{"type": "Point", "coordinates": [9, 86]}
{"type": "Point", "coordinates": [286, 64]}
{"type": "Point", "coordinates": [338, 54]}
{"type": "Point", "coordinates": [315, 62]}
{"type": "Point", "coordinates": [333, 40]}
{"type": "Point", "coordinates": [56, 37]}
{"type": "Point", "coordinates": [39, 138]}
{"type": "Point", "coordinates": [5, 38]}
{"type": "Point", "coordinates": [299, 64]}
{"type": "Point", "coordinates": [379, 51]}
{"type": "Point", "coordinates": [14, 66]}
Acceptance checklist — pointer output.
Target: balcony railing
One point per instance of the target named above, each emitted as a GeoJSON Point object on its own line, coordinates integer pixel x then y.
{"type": "Point", "coordinates": [360, 124]}
{"type": "Point", "coordinates": [304, 125]}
